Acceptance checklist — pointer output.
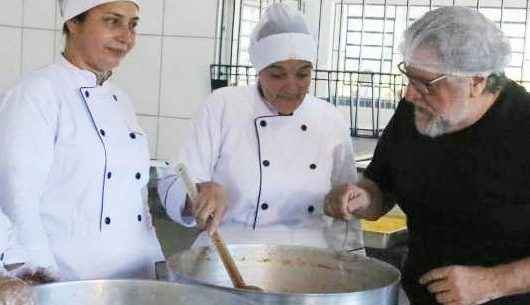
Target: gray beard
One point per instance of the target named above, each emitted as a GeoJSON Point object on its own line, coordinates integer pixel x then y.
{"type": "Point", "coordinates": [436, 125]}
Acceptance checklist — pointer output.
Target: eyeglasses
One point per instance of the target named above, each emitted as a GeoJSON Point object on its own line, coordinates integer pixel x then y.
{"type": "Point", "coordinates": [424, 87]}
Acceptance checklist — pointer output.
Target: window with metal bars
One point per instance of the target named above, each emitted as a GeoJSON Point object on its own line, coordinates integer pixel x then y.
{"type": "Point", "coordinates": [245, 14]}
{"type": "Point", "coordinates": [367, 35]}
{"type": "Point", "coordinates": [356, 94]}
{"type": "Point", "coordinates": [362, 42]}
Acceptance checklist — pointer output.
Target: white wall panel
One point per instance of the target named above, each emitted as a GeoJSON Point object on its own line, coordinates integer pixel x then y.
{"type": "Point", "coordinates": [172, 133]}
{"type": "Point", "coordinates": [191, 18]}
{"type": "Point", "coordinates": [38, 49]}
{"type": "Point", "coordinates": [10, 57]}
{"type": "Point", "coordinates": [39, 13]}
{"type": "Point", "coordinates": [185, 75]}
{"type": "Point", "coordinates": [139, 74]}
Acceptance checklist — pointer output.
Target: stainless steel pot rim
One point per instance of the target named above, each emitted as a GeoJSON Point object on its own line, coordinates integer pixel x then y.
{"type": "Point", "coordinates": [186, 279]}
{"type": "Point", "coordinates": [112, 281]}
{"type": "Point", "coordinates": [191, 281]}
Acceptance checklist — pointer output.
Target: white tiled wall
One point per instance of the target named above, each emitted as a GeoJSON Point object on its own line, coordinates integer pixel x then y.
{"type": "Point", "coordinates": [10, 56]}
{"type": "Point", "coordinates": [139, 74]}
{"type": "Point", "coordinates": [173, 132]}
{"type": "Point", "coordinates": [191, 18]}
{"type": "Point", "coordinates": [42, 41]}
{"type": "Point", "coordinates": [11, 13]}
{"type": "Point", "coordinates": [183, 84]}
{"type": "Point", "coordinates": [167, 74]}
{"type": "Point", "coordinates": [39, 13]}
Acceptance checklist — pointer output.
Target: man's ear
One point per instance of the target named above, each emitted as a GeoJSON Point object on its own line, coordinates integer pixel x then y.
{"type": "Point", "coordinates": [478, 84]}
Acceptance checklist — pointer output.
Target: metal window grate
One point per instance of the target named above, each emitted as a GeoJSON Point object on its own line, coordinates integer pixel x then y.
{"type": "Point", "coordinates": [366, 99]}
{"type": "Point", "coordinates": [365, 30]}
{"type": "Point", "coordinates": [363, 78]}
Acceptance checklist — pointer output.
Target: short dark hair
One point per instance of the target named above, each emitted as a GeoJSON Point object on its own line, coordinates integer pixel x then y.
{"type": "Point", "coordinates": [79, 19]}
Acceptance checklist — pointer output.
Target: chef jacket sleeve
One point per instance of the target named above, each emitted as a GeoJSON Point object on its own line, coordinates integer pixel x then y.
{"type": "Point", "coordinates": [199, 154]}
{"type": "Point", "coordinates": [5, 233]}
{"type": "Point", "coordinates": [10, 250]}
{"type": "Point", "coordinates": [28, 119]}
{"type": "Point", "coordinates": [172, 193]}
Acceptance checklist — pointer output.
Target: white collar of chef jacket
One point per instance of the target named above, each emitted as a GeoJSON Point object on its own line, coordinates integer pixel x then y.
{"type": "Point", "coordinates": [89, 77]}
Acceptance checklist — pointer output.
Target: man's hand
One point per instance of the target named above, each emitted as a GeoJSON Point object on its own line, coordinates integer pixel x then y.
{"type": "Point", "coordinates": [344, 201]}
{"type": "Point", "coordinates": [461, 285]}
{"type": "Point", "coordinates": [209, 206]}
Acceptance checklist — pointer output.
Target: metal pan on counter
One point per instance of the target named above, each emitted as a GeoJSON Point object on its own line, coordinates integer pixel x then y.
{"type": "Point", "coordinates": [292, 275]}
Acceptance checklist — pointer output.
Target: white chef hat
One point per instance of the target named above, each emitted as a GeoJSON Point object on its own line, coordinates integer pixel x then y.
{"type": "Point", "coordinates": [282, 34]}
{"type": "Point", "coordinates": [72, 8]}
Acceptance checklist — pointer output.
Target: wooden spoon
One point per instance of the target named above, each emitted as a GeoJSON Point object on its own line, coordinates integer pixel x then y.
{"type": "Point", "coordinates": [230, 264]}
{"type": "Point", "coordinates": [217, 240]}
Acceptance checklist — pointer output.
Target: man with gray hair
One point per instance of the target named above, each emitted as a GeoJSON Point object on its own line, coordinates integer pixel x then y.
{"type": "Point", "coordinates": [455, 158]}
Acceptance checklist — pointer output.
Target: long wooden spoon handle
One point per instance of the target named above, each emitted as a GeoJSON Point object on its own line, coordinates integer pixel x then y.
{"type": "Point", "coordinates": [226, 258]}
{"type": "Point", "coordinates": [228, 261]}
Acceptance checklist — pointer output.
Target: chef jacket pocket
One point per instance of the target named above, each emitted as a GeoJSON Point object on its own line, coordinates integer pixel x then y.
{"type": "Point", "coordinates": [135, 131]}
{"type": "Point", "coordinates": [139, 151]}
{"type": "Point", "coordinates": [137, 135]}
{"type": "Point", "coordinates": [132, 124]}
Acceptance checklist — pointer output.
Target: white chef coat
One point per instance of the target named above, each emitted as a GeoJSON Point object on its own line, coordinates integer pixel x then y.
{"type": "Point", "coordinates": [73, 167]}
{"type": "Point", "coordinates": [276, 169]}
{"type": "Point", "coordinates": [10, 250]}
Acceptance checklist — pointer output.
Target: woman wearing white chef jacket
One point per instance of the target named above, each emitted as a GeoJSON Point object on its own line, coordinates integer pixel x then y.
{"type": "Point", "coordinates": [265, 156]}
{"type": "Point", "coordinates": [74, 160]}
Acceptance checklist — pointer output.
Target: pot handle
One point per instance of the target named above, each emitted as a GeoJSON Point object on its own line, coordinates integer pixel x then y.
{"type": "Point", "coordinates": [161, 271]}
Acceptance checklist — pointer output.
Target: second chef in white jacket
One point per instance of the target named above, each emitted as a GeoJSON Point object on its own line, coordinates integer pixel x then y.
{"type": "Point", "coordinates": [74, 161]}
{"type": "Point", "coordinates": [265, 156]}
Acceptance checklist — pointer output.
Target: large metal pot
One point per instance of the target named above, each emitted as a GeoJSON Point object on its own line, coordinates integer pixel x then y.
{"type": "Point", "coordinates": [131, 292]}
{"type": "Point", "coordinates": [293, 275]}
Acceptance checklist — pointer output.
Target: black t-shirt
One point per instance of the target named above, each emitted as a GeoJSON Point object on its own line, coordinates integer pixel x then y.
{"type": "Point", "coordinates": [466, 194]}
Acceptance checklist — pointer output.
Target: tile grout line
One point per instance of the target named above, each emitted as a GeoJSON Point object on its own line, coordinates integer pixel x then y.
{"type": "Point", "coordinates": [139, 34]}
{"type": "Point", "coordinates": [20, 70]}
{"type": "Point", "coordinates": [55, 46]}
{"type": "Point", "coordinates": [147, 115]}
{"type": "Point", "coordinates": [160, 74]}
